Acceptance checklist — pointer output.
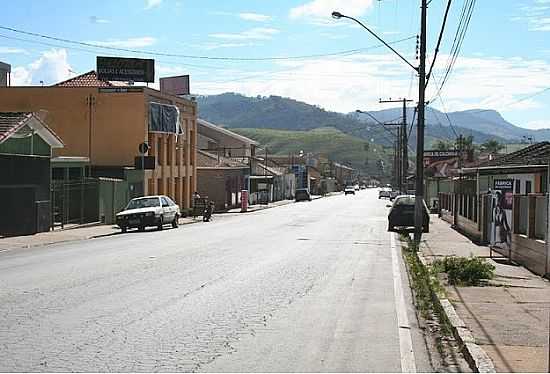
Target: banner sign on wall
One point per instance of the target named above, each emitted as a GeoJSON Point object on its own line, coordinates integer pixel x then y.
{"type": "Point", "coordinates": [501, 214]}
{"type": "Point", "coordinates": [175, 85]}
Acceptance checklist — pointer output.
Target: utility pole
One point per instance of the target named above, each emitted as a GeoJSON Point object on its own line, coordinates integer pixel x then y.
{"type": "Point", "coordinates": [421, 70]}
{"type": "Point", "coordinates": [458, 189]}
{"type": "Point", "coordinates": [419, 189]}
{"type": "Point", "coordinates": [404, 143]}
{"type": "Point", "coordinates": [397, 161]}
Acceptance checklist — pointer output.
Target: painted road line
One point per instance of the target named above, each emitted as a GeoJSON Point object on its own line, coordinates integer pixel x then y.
{"type": "Point", "coordinates": [408, 364]}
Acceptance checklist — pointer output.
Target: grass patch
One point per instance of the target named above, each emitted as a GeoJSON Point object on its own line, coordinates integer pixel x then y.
{"type": "Point", "coordinates": [426, 287]}
{"type": "Point", "coordinates": [464, 271]}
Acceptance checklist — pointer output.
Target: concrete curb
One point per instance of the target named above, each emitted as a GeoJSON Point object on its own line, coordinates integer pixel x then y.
{"type": "Point", "coordinates": [477, 358]}
{"type": "Point", "coordinates": [64, 241]}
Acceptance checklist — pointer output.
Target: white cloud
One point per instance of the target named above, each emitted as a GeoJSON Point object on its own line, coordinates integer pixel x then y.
{"type": "Point", "coordinates": [152, 3]}
{"type": "Point", "coordinates": [51, 67]}
{"type": "Point", "coordinates": [20, 76]}
{"type": "Point", "coordinates": [333, 36]}
{"type": "Point", "coordinates": [258, 33]}
{"type": "Point", "coordinates": [538, 124]}
{"type": "Point", "coordinates": [356, 82]}
{"type": "Point", "coordinates": [537, 15]}
{"type": "Point", "coordinates": [324, 8]}
{"type": "Point", "coordinates": [127, 43]}
{"type": "Point", "coordinates": [254, 17]}
{"type": "Point", "coordinates": [96, 19]}
{"type": "Point", "coordinates": [540, 24]}
{"type": "Point", "coordinates": [11, 50]}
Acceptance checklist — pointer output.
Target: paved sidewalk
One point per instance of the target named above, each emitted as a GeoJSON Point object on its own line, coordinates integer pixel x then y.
{"type": "Point", "coordinates": [509, 317]}
{"type": "Point", "coordinates": [64, 235]}
{"type": "Point", "coordinates": [256, 207]}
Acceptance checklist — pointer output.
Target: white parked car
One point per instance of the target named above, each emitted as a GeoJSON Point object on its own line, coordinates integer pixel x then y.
{"type": "Point", "coordinates": [349, 190]}
{"type": "Point", "coordinates": [142, 212]}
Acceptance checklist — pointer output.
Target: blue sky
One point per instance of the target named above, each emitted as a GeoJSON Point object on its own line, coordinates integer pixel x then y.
{"type": "Point", "coordinates": [504, 60]}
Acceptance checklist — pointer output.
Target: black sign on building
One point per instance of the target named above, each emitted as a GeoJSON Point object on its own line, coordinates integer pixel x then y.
{"type": "Point", "coordinates": [125, 69]}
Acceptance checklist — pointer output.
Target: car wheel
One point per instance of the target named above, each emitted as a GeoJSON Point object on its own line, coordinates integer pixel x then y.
{"type": "Point", "coordinates": [141, 228]}
{"type": "Point", "coordinates": [124, 228]}
{"type": "Point", "coordinates": [161, 223]}
{"type": "Point", "coordinates": [175, 222]}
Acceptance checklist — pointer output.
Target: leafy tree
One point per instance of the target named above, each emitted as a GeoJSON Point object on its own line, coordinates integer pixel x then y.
{"type": "Point", "coordinates": [443, 145]}
{"type": "Point", "coordinates": [492, 146]}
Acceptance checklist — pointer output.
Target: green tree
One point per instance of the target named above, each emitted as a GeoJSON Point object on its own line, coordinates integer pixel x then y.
{"type": "Point", "coordinates": [492, 146]}
{"type": "Point", "coordinates": [443, 145]}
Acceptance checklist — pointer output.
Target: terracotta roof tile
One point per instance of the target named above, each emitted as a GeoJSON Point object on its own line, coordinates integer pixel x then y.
{"type": "Point", "coordinates": [205, 159]}
{"type": "Point", "coordinates": [88, 79]}
{"type": "Point", "coordinates": [10, 122]}
{"type": "Point", "coordinates": [536, 154]}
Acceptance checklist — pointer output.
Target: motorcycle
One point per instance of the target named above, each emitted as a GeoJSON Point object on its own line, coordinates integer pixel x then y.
{"type": "Point", "coordinates": [207, 212]}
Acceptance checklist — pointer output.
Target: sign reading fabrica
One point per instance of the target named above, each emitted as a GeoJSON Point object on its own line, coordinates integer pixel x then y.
{"type": "Point", "coordinates": [125, 69]}
{"type": "Point", "coordinates": [503, 184]}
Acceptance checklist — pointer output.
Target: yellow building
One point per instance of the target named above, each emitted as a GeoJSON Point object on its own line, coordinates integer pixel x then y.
{"type": "Point", "coordinates": [107, 122]}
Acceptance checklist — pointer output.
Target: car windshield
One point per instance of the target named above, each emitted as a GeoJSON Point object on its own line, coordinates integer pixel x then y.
{"type": "Point", "coordinates": [405, 200]}
{"type": "Point", "coordinates": [147, 202]}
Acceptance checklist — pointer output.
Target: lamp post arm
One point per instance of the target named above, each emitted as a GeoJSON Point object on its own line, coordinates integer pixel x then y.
{"type": "Point", "coordinates": [382, 41]}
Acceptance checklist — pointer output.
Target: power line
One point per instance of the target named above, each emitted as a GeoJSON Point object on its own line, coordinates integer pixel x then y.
{"type": "Point", "coordinates": [464, 22]}
{"type": "Point", "coordinates": [165, 54]}
{"type": "Point", "coordinates": [439, 41]}
{"type": "Point", "coordinates": [105, 53]}
{"type": "Point", "coordinates": [412, 122]}
{"type": "Point", "coordinates": [441, 125]}
{"type": "Point", "coordinates": [515, 101]}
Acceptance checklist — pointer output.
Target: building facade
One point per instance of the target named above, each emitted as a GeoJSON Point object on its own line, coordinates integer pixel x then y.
{"type": "Point", "coordinates": [107, 122]}
{"type": "Point", "coordinates": [26, 145]}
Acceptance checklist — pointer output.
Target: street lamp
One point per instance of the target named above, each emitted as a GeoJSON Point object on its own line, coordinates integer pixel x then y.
{"type": "Point", "coordinates": [338, 15]}
{"type": "Point", "coordinates": [421, 70]}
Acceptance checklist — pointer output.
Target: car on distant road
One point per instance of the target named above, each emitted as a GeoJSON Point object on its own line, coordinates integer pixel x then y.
{"type": "Point", "coordinates": [349, 190]}
{"type": "Point", "coordinates": [384, 194]}
{"type": "Point", "coordinates": [394, 194]}
{"type": "Point", "coordinates": [302, 194]}
{"type": "Point", "coordinates": [146, 211]}
{"type": "Point", "coordinates": [401, 215]}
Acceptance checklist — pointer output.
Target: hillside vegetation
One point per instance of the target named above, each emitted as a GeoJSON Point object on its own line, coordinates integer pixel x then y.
{"type": "Point", "coordinates": [274, 112]}
{"type": "Point", "coordinates": [330, 142]}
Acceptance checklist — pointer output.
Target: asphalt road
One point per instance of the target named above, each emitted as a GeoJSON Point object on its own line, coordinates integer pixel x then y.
{"type": "Point", "coordinates": [303, 287]}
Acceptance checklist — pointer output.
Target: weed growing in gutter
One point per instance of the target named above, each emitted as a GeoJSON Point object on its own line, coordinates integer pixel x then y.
{"type": "Point", "coordinates": [426, 286]}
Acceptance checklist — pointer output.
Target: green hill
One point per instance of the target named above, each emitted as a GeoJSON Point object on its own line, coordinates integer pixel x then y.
{"type": "Point", "coordinates": [330, 142]}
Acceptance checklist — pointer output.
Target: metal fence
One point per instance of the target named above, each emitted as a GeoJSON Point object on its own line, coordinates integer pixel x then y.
{"type": "Point", "coordinates": [523, 215]}
{"type": "Point", "coordinates": [75, 202]}
{"type": "Point", "coordinates": [541, 217]}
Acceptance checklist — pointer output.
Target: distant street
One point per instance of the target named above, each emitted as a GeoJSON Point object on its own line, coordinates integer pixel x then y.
{"type": "Point", "coordinates": [303, 287]}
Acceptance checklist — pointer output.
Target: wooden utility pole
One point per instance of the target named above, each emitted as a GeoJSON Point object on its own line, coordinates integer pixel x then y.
{"type": "Point", "coordinates": [397, 145]}
{"type": "Point", "coordinates": [404, 151]}
{"type": "Point", "coordinates": [419, 189]}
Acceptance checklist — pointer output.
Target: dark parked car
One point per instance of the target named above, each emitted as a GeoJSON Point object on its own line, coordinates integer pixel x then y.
{"type": "Point", "coordinates": [401, 215]}
{"type": "Point", "coordinates": [148, 211]}
{"type": "Point", "coordinates": [302, 194]}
